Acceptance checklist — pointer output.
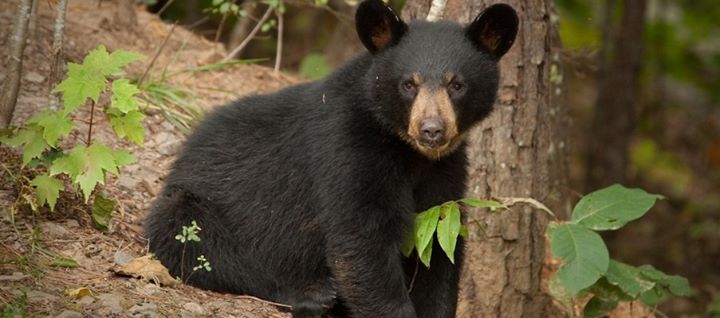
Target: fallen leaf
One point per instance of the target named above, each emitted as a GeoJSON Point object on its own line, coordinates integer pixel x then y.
{"type": "Point", "coordinates": [147, 268]}
{"type": "Point", "coordinates": [78, 293]}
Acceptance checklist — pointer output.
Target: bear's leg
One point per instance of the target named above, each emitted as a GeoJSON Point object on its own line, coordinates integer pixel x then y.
{"type": "Point", "coordinates": [176, 208]}
{"type": "Point", "coordinates": [435, 289]}
{"type": "Point", "coordinates": [313, 301]}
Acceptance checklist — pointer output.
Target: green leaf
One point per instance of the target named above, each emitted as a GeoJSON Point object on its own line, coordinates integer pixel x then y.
{"type": "Point", "coordinates": [129, 126]}
{"type": "Point", "coordinates": [448, 230]}
{"type": "Point", "coordinates": [597, 308]}
{"type": "Point", "coordinates": [47, 189]}
{"type": "Point", "coordinates": [118, 59]}
{"type": "Point", "coordinates": [606, 291]}
{"type": "Point", "coordinates": [82, 82]}
{"type": "Point", "coordinates": [476, 203]}
{"type": "Point", "coordinates": [584, 252]}
{"type": "Point", "coordinates": [32, 140]}
{"type": "Point", "coordinates": [65, 262]}
{"type": "Point", "coordinates": [102, 211]}
{"type": "Point", "coordinates": [123, 158]}
{"type": "Point", "coordinates": [677, 285]}
{"type": "Point", "coordinates": [613, 207]}
{"type": "Point", "coordinates": [426, 255]}
{"type": "Point", "coordinates": [425, 225]}
{"type": "Point", "coordinates": [314, 66]}
{"type": "Point", "coordinates": [87, 166]}
{"type": "Point", "coordinates": [54, 125]}
{"type": "Point", "coordinates": [627, 278]}
{"type": "Point", "coordinates": [408, 244]}
{"type": "Point", "coordinates": [71, 164]}
{"type": "Point", "coordinates": [464, 232]}
{"type": "Point", "coordinates": [123, 98]}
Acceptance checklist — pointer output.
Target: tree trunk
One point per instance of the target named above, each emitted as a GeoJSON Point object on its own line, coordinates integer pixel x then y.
{"type": "Point", "coordinates": [11, 86]}
{"type": "Point", "coordinates": [519, 151]}
{"type": "Point", "coordinates": [616, 109]}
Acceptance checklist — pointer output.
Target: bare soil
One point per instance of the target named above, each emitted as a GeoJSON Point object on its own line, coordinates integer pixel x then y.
{"type": "Point", "coordinates": [30, 241]}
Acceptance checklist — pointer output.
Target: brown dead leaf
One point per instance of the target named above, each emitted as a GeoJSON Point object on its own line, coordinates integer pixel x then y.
{"type": "Point", "coordinates": [146, 267]}
{"type": "Point", "coordinates": [78, 293]}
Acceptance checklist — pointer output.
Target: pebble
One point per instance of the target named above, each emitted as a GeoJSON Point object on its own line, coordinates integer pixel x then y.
{"type": "Point", "coordinates": [55, 230]}
{"type": "Point", "coordinates": [195, 309]}
{"type": "Point", "coordinates": [146, 310]}
{"type": "Point", "coordinates": [86, 300]}
{"type": "Point", "coordinates": [122, 258]}
{"type": "Point", "coordinates": [111, 302]}
{"type": "Point", "coordinates": [127, 181]}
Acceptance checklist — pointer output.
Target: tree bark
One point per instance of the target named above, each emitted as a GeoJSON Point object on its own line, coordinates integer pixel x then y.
{"type": "Point", "coordinates": [57, 66]}
{"type": "Point", "coordinates": [519, 151]}
{"type": "Point", "coordinates": [11, 86]}
{"type": "Point", "coordinates": [616, 107]}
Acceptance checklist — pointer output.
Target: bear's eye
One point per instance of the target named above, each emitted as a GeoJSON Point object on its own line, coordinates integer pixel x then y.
{"type": "Point", "coordinates": [408, 86]}
{"type": "Point", "coordinates": [456, 86]}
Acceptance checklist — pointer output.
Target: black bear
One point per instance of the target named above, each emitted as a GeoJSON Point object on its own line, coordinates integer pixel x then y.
{"type": "Point", "coordinates": [304, 196]}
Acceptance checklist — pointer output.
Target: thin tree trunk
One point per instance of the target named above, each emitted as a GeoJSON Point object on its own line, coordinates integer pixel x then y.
{"type": "Point", "coordinates": [519, 151]}
{"type": "Point", "coordinates": [11, 86]}
{"type": "Point", "coordinates": [616, 108]}
{"type": "Point", "coordinates": [57, 66]}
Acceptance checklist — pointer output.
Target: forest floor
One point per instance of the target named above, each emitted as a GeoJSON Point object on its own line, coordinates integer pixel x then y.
{"type": "Point", "coordinates": [29, 242]}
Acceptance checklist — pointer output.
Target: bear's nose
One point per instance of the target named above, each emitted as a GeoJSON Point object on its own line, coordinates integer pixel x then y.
{"type": "Point", "coordinates": [433, 131]}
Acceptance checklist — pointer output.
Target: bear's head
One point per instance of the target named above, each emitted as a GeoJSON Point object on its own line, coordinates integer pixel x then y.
{"type": "Point", "coordinates": [431, 82]}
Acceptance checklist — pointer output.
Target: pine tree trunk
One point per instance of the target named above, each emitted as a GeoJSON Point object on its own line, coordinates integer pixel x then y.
{"type": "Point", "coordinates": [518, 152]}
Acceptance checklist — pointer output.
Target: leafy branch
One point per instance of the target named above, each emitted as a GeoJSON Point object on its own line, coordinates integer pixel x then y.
{"type": "Point", "coordinates": [587, 267]}
{"type": "Point", "coordinates": [89, 164]}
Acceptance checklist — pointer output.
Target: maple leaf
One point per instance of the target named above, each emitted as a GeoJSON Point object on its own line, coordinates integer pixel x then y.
{"type": "Point", "coordinates": [87, 166]}
{"type": "Point", "coordinates": [32, 140]}
{"type": "Point", "coordinates": [82, 82]}
{"type": "Point", "coordinates": [54, 125]}
{"type": "Point", "coordinates": [123, 96]}
{"type": "Point", "coordinates": [119, 59]}
{"type": "Point", "coordinates": [47, 189]}
{"type": "Point", "coordinates": [129, 126]}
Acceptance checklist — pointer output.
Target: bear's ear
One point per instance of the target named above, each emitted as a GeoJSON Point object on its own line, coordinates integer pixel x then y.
{"type": "Point", "coordinates": [494, 29]}
{"type": "Point", "coordinates": [378, 26]}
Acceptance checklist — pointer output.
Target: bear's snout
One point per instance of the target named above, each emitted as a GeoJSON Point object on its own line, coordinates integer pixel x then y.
{"type": "Point", "coordinates": [433, 132]}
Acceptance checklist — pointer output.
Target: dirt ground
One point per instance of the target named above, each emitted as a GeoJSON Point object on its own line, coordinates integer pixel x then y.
{"type": "Point", "coordinates": [29, 242]}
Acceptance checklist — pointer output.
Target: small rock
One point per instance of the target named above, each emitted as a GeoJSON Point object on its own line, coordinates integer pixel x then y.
{"type": "Point", "coordinates": [186, 314]}
{"type": "Point", "coordinates": [34, 77]}
{"type": "Point", "coordinates": [127, 181]}
{"type": "Point", "coordinates": [169, 148]}
{"type": "Point", "coordinates": [86, 300]}
{"type": "Point", "coordinates": [220, 304]}
{"type": "Point", "coordinates": [111, 302]}
{"type": "Point", "coordinates": [163, 137]}
{"type": "Point", "coordinates": [69, 314]}
{"type": "Point", "coordinates": [55, 230]}
{"type": "Point", "coordinates": [146, 310]}
{"type": "Point", "coordinates": [167, 125]}
{"type": "Point", "coordinates": [195, 309]}
{"type": "Point", "coordinates": [122, 258]}
{"type": "Point", "coordinates": [15, 277]}
{"type": "Point", "coordinates": [72, 223]}
{"type": "Point", "coordinates": [150, 289]}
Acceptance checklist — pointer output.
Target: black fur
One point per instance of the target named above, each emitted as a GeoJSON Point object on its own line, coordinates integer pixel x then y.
{"type": "Point", "coordinates": [305, 195]}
